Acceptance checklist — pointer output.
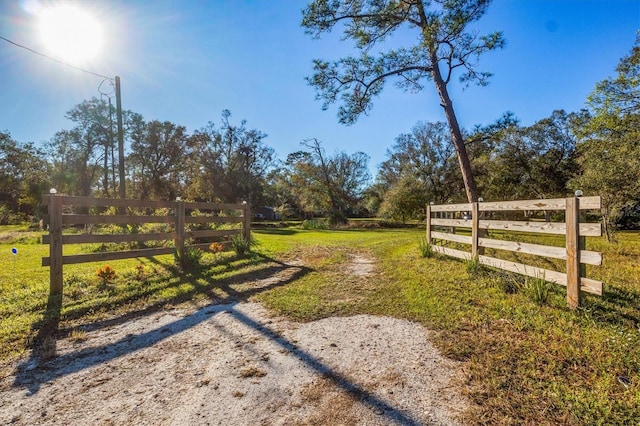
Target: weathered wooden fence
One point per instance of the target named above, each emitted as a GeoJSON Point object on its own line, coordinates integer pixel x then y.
{"type": "Point", "coordinates": [472, 215]}
{"type": "Point", "coordinates": [62, 212]}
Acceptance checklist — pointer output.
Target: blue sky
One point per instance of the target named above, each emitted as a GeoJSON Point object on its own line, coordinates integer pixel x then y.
{"type": "Point", "coordinates": [186, 60]}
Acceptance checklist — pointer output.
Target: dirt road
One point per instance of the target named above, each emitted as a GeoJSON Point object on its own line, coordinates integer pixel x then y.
{"type": "Point", "coordinates": [236, 364]}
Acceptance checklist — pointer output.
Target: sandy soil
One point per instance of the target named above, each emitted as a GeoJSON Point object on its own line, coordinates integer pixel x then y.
{"type": "Point", "coordinates": [236, 364]}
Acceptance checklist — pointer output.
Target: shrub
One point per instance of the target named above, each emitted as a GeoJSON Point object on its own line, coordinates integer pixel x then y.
{"type": "Point", "coordinates": [315, 224]}
{"type": "Point", "coordinates": [140, 273]}
{"type": "Point", "coordinates": [188, 258]}
{"type": "Point", "coordinates": [337, 218]}
{"type": "Point", "coordinates": [509, 283]}
{"type": "Point", "coordinates": [216, 248]}
{"type": "Point", "coordinates": [473, 265]}
{"type": "Point", "coordinates": [240, 244]}
{"type": "Point", "coordinates": [106, 274]}
{"type": "Point", "coordinates": [537, 289]}
{"type": "Point", "coordinates": [426, 249]}
{"type": "Point", "coordinates": [7, 217]}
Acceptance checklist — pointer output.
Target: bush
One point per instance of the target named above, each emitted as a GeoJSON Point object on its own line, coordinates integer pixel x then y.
{"type": "Point", "coordinates": [216, 248]}
{"type": "Point", "coordinates": [337, 218]}
{"type": "Point", "coordinates": [188, 258]}
{"type": "Point", "coordinates": [508, 283]}
{"type": "Point", "coordinates": [537, 289]}
{"type": "Point", "coordinates": [106, 274]}
{"type": "Point", "coordinates": [315, 224]}
{"type": "Point", "coordinates": [473, 265]}
{"type": "Point", "coordinates": [7, 217]}
{"type": "Point", "coordinates": [240, 244]}
{"type": "Point", "coordinates": [426, 249]}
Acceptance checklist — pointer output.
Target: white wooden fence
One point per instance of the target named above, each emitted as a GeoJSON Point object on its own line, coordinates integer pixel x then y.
{"type": "Point", "coordinates": [471, 215]}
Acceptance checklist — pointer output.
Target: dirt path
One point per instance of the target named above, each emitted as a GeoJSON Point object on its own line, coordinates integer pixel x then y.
{"type": "Point", "coordinates": [236, 364]}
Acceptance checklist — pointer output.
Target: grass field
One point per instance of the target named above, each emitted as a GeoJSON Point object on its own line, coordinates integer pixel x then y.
{"type": "Point", "coordinates": [526, 363]}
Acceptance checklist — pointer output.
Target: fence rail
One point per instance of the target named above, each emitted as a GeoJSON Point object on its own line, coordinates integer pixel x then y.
{"type": "Point", "coordinates": [470, 215]}
{"type": "Point", "coordinates": [60, 213]}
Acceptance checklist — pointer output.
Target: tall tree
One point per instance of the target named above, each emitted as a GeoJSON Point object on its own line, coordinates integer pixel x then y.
{"type": "Point", "coordinates": [428, 157]}
{"type": "Point", "coordinates": [279, 192]}
{"type": "Point", "coordinates": [334, 184]}
{"type": "Point", "coordinates": [79, 154]}
{"type": "Point", "coordinates": [23, 176]}
{"type": "Point", "coordinates": [230, 162]}
{"type": "Point", "coordinates": [83, 157]}
{"type": "Point", "coordinates": [532, 162]}
{"type": "Point", "coordinates": [609, 148]}
{"type": "Point", "coordinates": [553, 144]}
{"type": "Point", "coordinates": [444, 47]}
{"type": "Point", "coordinates": [406, 199]}
{"type": "Point", "coordinates": [159, 149]}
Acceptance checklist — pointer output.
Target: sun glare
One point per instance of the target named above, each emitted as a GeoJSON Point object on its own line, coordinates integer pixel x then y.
{"type": "Point", "coordinates": [70, 34]}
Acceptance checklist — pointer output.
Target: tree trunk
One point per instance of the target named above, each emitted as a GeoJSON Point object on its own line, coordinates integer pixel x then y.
{"type": "Point", "coordinates": [456, 134]}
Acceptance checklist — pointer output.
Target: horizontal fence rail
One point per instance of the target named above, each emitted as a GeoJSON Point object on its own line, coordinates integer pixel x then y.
{"type": "Point", "coordinates": [472, 215]}
{"type": "Point", "coordinates": [180, 216]}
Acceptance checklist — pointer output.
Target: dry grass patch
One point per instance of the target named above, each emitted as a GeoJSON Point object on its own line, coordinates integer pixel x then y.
{"type": "Point", "coordinates": [330, 404]}
{"type": "Point", "coordinates": [252, 372]}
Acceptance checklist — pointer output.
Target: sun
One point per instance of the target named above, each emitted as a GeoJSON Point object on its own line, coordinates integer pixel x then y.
{"type": "Point", "coordinates": [69, 33]}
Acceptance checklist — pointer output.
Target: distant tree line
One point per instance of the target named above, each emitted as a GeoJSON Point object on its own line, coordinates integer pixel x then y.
{"type": "Point", "coordinates": [596, 149]}
{"type": "Point", "coordinates": [222, 162]}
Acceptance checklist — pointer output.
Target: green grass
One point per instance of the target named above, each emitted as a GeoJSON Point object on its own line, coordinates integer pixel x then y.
{"type": "Point", "coordinates": [526, 362]}
{"type": "Point", "coordinates": [140, 286]}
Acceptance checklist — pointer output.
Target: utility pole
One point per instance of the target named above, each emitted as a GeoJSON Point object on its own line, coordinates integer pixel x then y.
{"type": "Point", "coordinates": [120, 139]}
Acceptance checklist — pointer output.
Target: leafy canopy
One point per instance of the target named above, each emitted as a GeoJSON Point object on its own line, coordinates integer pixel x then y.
{"type": "Point", "coordinates": [442, 43]}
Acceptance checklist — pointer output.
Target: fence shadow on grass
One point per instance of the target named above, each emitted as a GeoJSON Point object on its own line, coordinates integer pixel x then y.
{"type": "Point", "coordinates": [270, 267]}
{"type": "Point", "coordinates": [617, 306]}
{"type": "Point", "coordinates": [43, 347]}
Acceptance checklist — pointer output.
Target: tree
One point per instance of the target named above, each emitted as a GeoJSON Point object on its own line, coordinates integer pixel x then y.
{"type": "Point", "coordinates": [609, 147]}
{"type": "Point", "coordinates": [532, 162]}
{"type": "Point", "coordinates": [159, 149]}
{"type": "Point", "coordinates": [334, 184]}
{"type": "Point", "coordinates": [406, 199]}
{"type": "Point", "coordinates": [279, 192]}
{"type": "Point", "coordinates": [427, 156]}
{"type": "Point", "coordinates": [23, 176]}
{"type": "Point", "coordinates": [553, 146]}
{"type": "Point", "coordinates": [79, 154]}
{"type": "Point", "coordinates": [304, 183]}
{"type": "Point", "coordinates": [229, 162]}
{"type": "Point", "coordinates": [444, 48]}
{"type": "Point", "coordinates": [83, 158]}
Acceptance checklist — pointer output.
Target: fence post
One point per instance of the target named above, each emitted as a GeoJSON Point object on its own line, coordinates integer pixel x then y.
{"type": "Point", "coordinates": [582, 241]}
{"type": "Point", "coordinates": [179, 226]}
{"type": "Point", "coordinates": [475, 222]}
{"type": "Point", "coordinates": [428, 236]}
{"type": "Point", "coordinates": [572, 219]}
{"type": "Point", "coordinates": [246, 221]}
{"type": "Point", "coordinates": [55, 243]}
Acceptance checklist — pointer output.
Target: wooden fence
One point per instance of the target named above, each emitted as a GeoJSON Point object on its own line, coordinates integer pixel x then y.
{"type": "Point", "coordinates": [472, 215]}
{"type": "Point", "coordinates": [62, 211]}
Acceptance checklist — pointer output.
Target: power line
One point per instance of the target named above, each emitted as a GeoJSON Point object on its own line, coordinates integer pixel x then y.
{"type": "Point", "coordinates": [54, 59]}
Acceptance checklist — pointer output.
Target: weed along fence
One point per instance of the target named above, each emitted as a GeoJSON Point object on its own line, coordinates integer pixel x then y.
{"type": "Point", "coordinates": [134, 228]}
{"type": "Point", "coordinates": [490, 219]}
